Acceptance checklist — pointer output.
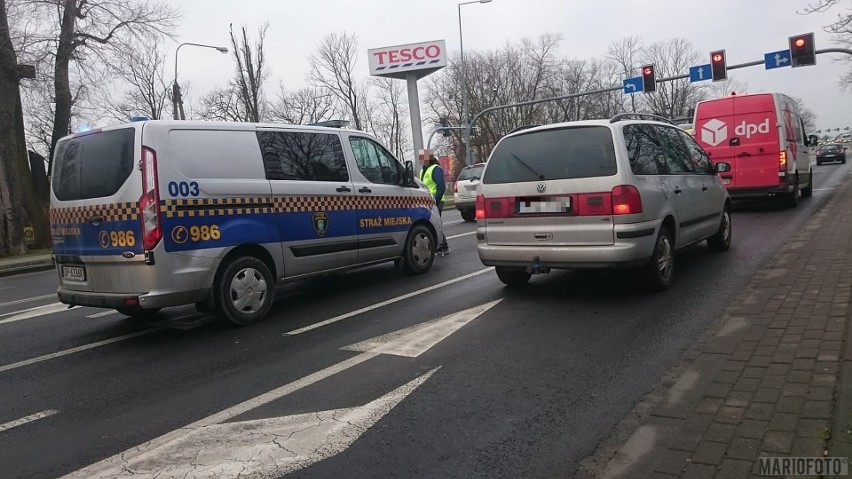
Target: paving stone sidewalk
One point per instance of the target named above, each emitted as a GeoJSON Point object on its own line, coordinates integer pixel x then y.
{"type": "Point", "coordinates": [775, 380]}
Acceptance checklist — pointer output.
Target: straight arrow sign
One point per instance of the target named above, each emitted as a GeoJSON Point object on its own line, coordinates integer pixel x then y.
{"type": "Point", "coordinates": [700, 73]}
{"type": "Point", "coordinates": [275, 446]}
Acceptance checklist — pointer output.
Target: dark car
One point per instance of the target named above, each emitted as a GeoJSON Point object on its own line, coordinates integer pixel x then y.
{"type": "Point", "coordinates": [831, 152]}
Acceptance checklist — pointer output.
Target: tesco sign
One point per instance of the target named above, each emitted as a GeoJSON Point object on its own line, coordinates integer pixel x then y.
{"type": "Point", "coordinates": [389, 61]}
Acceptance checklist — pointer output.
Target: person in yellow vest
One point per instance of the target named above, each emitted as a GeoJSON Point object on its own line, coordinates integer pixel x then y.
{"type": "Point", "coordinates": [432, 177]}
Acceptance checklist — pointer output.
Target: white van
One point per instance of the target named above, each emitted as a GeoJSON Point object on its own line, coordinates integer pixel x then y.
{"type": "Point", "coordinates": [161, 213]}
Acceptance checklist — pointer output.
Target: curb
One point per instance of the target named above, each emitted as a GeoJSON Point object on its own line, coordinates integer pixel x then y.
{"type": "Point", "coordinates": [26, 268]}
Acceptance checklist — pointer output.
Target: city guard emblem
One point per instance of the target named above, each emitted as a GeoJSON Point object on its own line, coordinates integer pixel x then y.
{"type": "Point", "coordinates": [320, 223]}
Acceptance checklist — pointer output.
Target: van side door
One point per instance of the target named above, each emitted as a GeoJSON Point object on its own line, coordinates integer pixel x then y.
{"type": "Point", "coordinates": [684, 184]}
{"type": "Point", "coordinates": [312, 197]}
{"type": "Point", "coordinates": [712, 191]}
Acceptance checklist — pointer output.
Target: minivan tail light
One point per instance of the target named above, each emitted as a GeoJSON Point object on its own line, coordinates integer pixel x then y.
{"type": "Point", "coordinates": [480, 207]}
{"type": "Point", "coordinates": [497, 207]}
{"type": "Point", "coordinates": [782, 161]}
{"type": "Point", "coordinates": [626, 200]}
{"type": "Point", "coordinates": [594, 204]}
{"type": "Point", "coordinates": [149, 203]}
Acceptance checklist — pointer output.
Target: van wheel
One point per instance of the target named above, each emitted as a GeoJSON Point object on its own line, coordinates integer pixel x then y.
{"type": "Point", "coordinates": [468, 215]}
{"type": "Point", "coordinates": [419, 252]}
{"type": "Point", "coordinates": [138, 313]}
{"type": "Point", "coordinates": [721, 240]}
{"type": "Point", "coordinates": [809, 190]}
{"type": "Point", "coordinates": [513, 276]}
{"type": "Point", "coordinates": [792, 200]}
{"type": "Point", "coordinates": [658, 273]}
{"type": "Point", "coordinates": [244, 291]}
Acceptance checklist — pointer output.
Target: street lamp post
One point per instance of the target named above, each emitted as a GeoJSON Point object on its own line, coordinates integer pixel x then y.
{"type": "Point", "coordinates": [177, 99]}
{"type": "Point", "coordinates": [466, 119]}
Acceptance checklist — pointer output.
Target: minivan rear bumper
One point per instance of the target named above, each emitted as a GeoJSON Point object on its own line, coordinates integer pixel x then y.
{"type": "Point", "coordinates": [633, 247]}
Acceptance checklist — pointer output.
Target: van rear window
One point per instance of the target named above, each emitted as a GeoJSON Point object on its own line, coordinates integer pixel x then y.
{"type": "Point", "coordinates": [93, 166]}
{"type": "Point", "coordinates": [574, 152]}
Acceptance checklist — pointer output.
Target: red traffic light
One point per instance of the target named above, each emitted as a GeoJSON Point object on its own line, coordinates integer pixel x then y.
{"type": "Point", "coordinates": [717, 57]}
{"type": "Point", "coordinates": [648, 71]}
{"type": "Point", "coordinates": [802, 50]}
{"type": "Point", "coordinates": [718, 65]}
{"type": "Point", "coordinates": [800, 42]}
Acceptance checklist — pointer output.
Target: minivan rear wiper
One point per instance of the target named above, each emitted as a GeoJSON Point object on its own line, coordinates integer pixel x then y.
{"type": "Point", "coordinates": [536, 173]}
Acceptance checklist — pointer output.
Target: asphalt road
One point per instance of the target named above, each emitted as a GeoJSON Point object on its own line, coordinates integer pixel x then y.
{"type": "Point", "coordinates": [527, 388]}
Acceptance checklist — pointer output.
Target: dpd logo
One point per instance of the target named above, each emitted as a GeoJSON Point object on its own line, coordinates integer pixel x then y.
{"type": "Point", "coordinates": [749, 129]}
{"type": "Point", "coordinates": [714, 132]}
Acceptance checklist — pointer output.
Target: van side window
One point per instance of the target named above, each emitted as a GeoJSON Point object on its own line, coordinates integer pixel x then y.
{"type": "Point", "coordinates": [700, 161]}
{"type": "Point", "coordinates": [289, 155]}
{"type": "Point", "coordinates": [644, 150]}
{"type": "Point", "coordinates": [374, 162]}
{"type": "Point", "coordinates": [677, 156]}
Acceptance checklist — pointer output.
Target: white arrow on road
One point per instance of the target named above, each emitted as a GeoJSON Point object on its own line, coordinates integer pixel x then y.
{"type": "Point", "coordinates": [274, 446]}
{"type": "Point", "coordinates": [779, 59]}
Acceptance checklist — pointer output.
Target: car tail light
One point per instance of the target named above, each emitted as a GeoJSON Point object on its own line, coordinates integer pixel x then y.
{"type": "Point", "coordinates": [626, 200]}
{"type": "Point", "coordinates": [456, 187]}
{"type": "Point", "coordinates": [494, 207]}
{"type": "Point", "coordinates": [594, 204]}
{"type": "Point", "coordinates": [149, 203]}
{"type": "Point", "coordinates": [782, 161]}
{"type": "Point", "coordinates": [480, 207]}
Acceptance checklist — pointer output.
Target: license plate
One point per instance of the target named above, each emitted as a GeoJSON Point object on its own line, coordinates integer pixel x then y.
{"type": "Point", "coordinates": [560, 205]}
{"type": "Point", "coordinates": [726, 181]}
{"type": "Point", "coordinates": [74, 273]}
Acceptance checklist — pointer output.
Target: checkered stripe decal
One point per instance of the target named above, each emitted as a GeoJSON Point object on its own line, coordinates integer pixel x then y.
{"type": "Point", "coordinates": [80, 214]}
{"type": "Point", "coordinates": [201, 207]}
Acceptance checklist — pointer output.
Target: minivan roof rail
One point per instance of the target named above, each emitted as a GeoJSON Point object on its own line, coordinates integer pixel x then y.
{"type": "Point", "coordinates": [522, 127]}
{"type": "Point", "coordinates": [332, 123]}
{"type": "Point", "coordinates": [640, 116]}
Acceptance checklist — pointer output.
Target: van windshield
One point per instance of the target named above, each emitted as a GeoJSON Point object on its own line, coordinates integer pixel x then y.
{"type": "Point", "coordinates": [92, 166]}
{"type": "Point", "coordinates": [573, 152]}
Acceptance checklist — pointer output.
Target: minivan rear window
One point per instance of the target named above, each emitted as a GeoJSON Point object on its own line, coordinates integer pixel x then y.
{"type": "Point", "coordinates": [564, 153]}
{"type": "Point", "coordinates": [94, 165]}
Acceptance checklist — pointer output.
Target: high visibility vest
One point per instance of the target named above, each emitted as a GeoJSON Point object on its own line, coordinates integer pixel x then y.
{"type": "Point", "coordinates": [426, 178]}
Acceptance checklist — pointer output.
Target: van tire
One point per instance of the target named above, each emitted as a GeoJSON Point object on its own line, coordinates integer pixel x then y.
{"type": "Point", "coordinates": [809, 190]}
{"type": "Point", "coordinates": [792, 200]}
{"type": "Point", "coordinates": [659, 272]}
{"type": "Point", "coordinates": [248, 281]}
{"type": "Point", "coordinates": [513, 277]}
{"type": "Point", "coordinates": [418, 253]}
{"type": "Point", "coordinates": [138, 313]}
{"type": "Point", "coordinates": [468, 214]}
{"type": "Point", "coordinates": [721, 240]}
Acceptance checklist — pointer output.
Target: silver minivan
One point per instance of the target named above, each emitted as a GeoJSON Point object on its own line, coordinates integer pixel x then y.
{"type": "Point", "coordinates": [620, 193]}
{"type": "Point", "coordinates": [161, 213]}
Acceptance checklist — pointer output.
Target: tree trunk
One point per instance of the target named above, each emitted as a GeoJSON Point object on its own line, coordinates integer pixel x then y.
{"type": "Point", "coordinates": [61, 82]}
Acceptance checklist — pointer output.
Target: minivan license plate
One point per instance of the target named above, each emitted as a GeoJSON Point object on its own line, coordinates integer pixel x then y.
{"type": "Point", "coordinates": [561, 205]}
{"type": "Point", "coordinates": [74, 273]}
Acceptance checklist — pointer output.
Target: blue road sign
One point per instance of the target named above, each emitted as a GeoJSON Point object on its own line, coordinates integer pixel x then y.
{"type": "Point", "coordinates": [778, 59]}
{"type": "Point", "coordinates": [632, 85]}
{"type": "Point", "coordinates": [700, 73]}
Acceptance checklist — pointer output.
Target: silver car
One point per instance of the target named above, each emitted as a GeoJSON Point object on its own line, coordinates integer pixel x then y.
{"type": "Point", "coordinates": [620, 193]}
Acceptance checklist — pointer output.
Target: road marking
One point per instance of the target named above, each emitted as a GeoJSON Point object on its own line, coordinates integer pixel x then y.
{"type": "Point", "coordinates": [66, 352]}
{"type": "Point", "coordinates": [274, 446]}
{"type": "Point", "coordinates": [451, 223]}
{"type": "Point", "coordinates": [34, 312]}
{"type": "Point", "coordinates": [27, 419]}
{"type": "Point", "coordinates": [6, 287]}
{"type": "Point", "coordinates": [385, 303]}
{"type": "Point", "coordinates": [102, 314]}
{"type": "Point", "coordinates": [460, 235]}
{"type": "Point", "coordinates": [824, 189]}
{"type": "Point", "coordinates": [27, 300]}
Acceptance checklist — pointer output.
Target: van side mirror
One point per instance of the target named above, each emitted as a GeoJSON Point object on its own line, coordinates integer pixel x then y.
{"type": "Point", "coordinates": [723, 167]}
{"type": "Point", "coordinates": [813, 140]}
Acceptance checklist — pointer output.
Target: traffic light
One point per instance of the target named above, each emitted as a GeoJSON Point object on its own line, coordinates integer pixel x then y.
{"type": "Point", "coordinates": [718, 65]}
{"type": "Point", "coordinates": [802, 50]}
{"type": "Point", "coordinates": [649, 80]}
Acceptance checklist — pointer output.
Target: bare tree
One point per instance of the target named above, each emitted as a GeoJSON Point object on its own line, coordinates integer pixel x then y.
{"type": "Point", "coordinates": [333, 69]}
{"type": "Point", "coordinates": [388, 118]}
{"type": "Point", "coordinates": [626, 54]}
{"type": "Point", "coordinates": [251, 73]}
{"type": "Point", "coordinates": [808, 116]}
{"type": "Point", "coordinates": [303, 106]}
{"type": "Point", "coordinates": [670, 58]}
{"type": "Point", "coordinates": [223, 104]}
{"type": "Point", "coordinates": [841, 29]}
{"type": "Point", "coordinates": [725, 88]}
{"type": "Point", "coordinates": [141, 84]}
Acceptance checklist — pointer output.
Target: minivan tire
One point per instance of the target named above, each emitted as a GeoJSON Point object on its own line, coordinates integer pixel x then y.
{"type": "Point", "coordinates": [468, 214]}
{"type": "Point", "coordinates": [721, 240]}
{"type": "Point", "coordinates": [418, 254]}
{"type": "Point", "coordinates": [809, 190]}
{"type": "Point", "coordinates": [513, 277]}
{"type": "Point", "coordinates": [659, 271]}
{"type": "Point", "coordinates": [245, 280]}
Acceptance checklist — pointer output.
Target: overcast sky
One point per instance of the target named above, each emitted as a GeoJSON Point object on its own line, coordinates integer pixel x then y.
{"type": "Point", "coordinates": [745, 28]}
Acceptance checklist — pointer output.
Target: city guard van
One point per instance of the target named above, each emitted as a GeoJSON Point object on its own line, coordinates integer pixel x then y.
{"type": "Point", "coordinates": [763, 138]}
{"type": "Point", "coordinates": [161, 213]}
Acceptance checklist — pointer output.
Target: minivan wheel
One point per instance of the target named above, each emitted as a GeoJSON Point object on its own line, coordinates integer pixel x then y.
{"type": "Point", "coordinates": [809, 190]}
{"type": "Point", "coordinates": [721, 240]}
{"type": "Point", "coordinates": [660, 270]}
{"type": "Point", "coordinates": [244, 291]}
{"type": "Point", "coordinates": [468, 214]}
{"type": "Point", "coordinates": [513, 276]}
{"type": "Point", "coordinates": [419, 252]}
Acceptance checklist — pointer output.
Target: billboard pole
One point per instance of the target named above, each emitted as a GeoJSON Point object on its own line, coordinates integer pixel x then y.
{"type": "Point", "coordinates": [414, 109]}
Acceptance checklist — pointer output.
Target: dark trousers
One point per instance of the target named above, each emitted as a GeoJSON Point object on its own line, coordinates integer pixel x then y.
{"type": "Point", "coordinates": [444, 236]}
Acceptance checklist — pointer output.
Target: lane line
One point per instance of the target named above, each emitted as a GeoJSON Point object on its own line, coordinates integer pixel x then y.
{"type": "Point", "coordinates": [66, 352]}
{"type": "Point", "coordinates": [450, 223]}
{"type": "Point", "coordinates": [27, 419]}
{"type": "Point", "coordinates": [385, 303]}
{"type": "Point", "coordinates": [34, 312]}
{"type": "Point", "coordinates": [824, 189]}
{"type": "Point", "coordinates": [102, 314]}
{"type": "Point", "coordinates": [460, 235]}
{"type": "Point", "coordinates": [27, 300]}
